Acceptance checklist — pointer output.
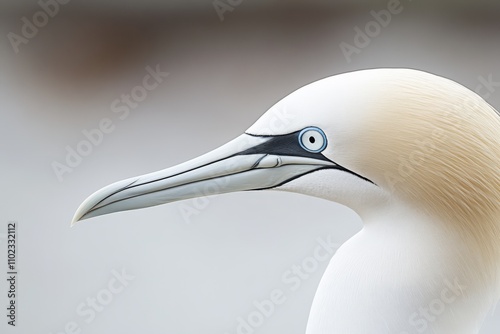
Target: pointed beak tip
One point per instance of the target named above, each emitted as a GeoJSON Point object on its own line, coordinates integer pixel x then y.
{"type": "Point", "coordinates": [246, 163]}
{"type": "Point", "coordinates": [76, 219]}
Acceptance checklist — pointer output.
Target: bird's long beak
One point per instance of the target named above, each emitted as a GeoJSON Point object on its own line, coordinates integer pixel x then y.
{"type": "Point", "coordinates": [246, 163]}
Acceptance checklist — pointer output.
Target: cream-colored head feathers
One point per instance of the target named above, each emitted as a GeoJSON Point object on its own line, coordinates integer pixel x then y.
{"type": "Point", "coordinates": [421, 138]}
{"type": "Point", "coordinates": [416, 155]}
{"type": "Point", "coordinates": [436, 144]}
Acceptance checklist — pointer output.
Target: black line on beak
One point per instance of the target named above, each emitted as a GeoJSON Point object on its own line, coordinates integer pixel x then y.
{"type": "Point", "coordinates": [280, 145]}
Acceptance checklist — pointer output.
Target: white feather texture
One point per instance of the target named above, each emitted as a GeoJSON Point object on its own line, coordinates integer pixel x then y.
{"type": "Point", "coordinates": [432, 221]}
{"type": "Point", "coordinates": [415, 155]}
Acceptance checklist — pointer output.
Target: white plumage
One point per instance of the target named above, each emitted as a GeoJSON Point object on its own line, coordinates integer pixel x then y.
{"type": "Point", "coordinates": [414, 154]}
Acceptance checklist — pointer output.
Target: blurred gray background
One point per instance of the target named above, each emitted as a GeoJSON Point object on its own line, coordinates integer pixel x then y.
{"type": "Point", "coordinates": [199, 272]}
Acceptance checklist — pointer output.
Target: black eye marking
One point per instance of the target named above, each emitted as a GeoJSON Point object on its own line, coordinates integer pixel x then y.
{"type": "Point", "coordinates": [292, 145]}
{"type": "Point", "coordinates": [286, 145]}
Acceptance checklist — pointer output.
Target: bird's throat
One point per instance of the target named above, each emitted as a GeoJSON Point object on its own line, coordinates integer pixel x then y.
{"type": "Point", "coordinates": [403, 273]}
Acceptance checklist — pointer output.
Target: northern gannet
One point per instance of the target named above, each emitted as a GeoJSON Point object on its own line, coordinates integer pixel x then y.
{"type": "Point", "coordinates": [414, 154]}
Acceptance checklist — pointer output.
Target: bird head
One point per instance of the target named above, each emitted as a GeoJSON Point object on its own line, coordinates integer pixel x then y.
{"type": "Point", "coordinates": [361, 139]}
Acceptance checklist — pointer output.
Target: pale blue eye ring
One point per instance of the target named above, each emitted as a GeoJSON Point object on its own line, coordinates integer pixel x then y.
{"type": "Point", "coordinates": [312, 139]}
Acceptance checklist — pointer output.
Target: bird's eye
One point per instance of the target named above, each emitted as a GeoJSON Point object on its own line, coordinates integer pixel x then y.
{"type": "Point", "coordinates": [312, 139]}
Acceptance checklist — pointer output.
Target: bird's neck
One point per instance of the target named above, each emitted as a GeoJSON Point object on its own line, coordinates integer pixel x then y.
{"type": "Point", "coordinates": [403, 273]}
